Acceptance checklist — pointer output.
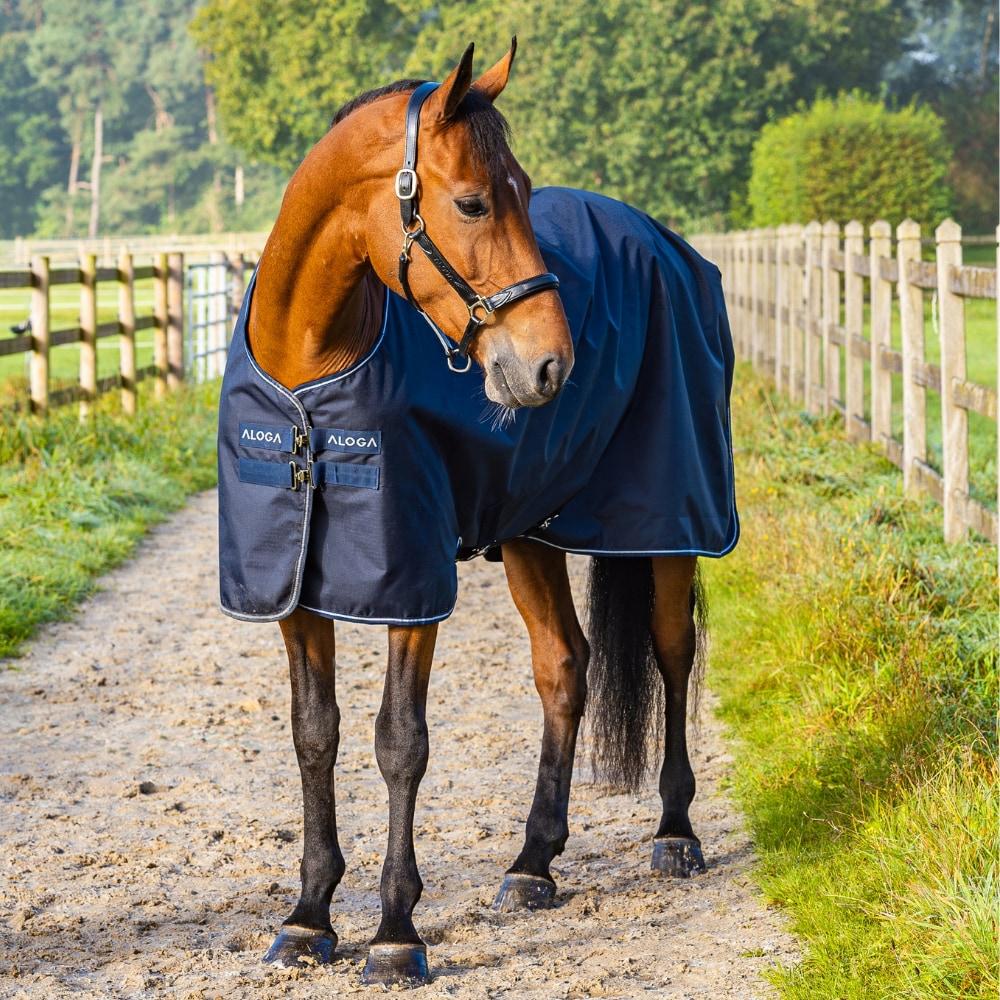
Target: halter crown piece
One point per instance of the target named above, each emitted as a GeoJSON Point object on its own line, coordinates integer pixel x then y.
{"type": "Point", "coordinates": [414, 231]}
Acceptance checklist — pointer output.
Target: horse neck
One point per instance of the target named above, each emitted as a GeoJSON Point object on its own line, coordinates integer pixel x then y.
{"type": "Point", "coordinates": [317, 303]}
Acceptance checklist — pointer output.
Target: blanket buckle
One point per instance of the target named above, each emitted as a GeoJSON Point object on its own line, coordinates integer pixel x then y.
{"type": "Point", "coordinates": [300, 476]}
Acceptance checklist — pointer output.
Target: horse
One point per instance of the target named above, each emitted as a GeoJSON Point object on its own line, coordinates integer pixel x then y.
{"type": "Point", "coordinates": [410, 255]}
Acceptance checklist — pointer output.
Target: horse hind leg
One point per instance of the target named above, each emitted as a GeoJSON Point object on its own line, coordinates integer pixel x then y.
{"type": "Point", "coordinates": [397, 955]}
{"type": "Point", "coordinates": [540, 587]}
{"type": "Point", "coordinates": [676, 849]}
{"type": "Point", "coordinates": [306, 937]}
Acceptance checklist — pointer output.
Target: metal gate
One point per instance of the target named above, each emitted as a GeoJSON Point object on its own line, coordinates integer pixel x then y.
{"type": "Point", "coordinates": [209, 291]}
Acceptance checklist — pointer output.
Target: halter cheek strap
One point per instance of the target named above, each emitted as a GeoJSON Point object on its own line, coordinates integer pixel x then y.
{"type": "Point", "coordinates": [415, 231]}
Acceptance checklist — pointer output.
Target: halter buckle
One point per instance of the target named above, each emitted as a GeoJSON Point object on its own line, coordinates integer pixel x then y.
{"type": "Point", "coordinates": [407, 176]}
{"type": "Point", "coordinates": [479, 303]}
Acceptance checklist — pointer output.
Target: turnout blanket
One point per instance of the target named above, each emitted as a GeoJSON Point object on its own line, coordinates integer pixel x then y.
{"type": "Point", "coordinates": [353, 495]}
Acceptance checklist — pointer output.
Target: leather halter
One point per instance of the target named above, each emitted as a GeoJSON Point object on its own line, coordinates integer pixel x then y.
{"type": "Point", "coordinates": [414, 231]}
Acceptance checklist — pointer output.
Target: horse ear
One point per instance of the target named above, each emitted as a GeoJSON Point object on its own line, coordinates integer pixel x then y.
{"type": "Point", "coordinates": [446, 99]}
{"type": "Point", "coordinates": [492, 82]}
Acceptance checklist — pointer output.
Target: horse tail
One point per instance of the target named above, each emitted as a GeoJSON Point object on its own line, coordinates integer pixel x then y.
{"type": "Point", "coordinates": [625, 687]}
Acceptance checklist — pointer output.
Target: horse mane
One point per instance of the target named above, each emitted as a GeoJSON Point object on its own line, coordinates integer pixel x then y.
{"type": "Point", "coordinates": [489, 132]}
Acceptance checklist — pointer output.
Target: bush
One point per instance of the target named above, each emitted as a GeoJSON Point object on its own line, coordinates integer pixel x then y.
{"type": "Point", "coordinates": [850, 158]}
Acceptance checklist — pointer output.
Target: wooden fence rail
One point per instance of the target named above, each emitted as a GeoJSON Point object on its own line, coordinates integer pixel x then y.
{"type": "Point", "coordinates": [797, 301]}
{"type": "Point", "coordinates": [167, 321]}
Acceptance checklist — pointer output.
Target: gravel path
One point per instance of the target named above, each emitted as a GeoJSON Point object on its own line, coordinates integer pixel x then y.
{"type": "Point", "coordinates": [151, 831]}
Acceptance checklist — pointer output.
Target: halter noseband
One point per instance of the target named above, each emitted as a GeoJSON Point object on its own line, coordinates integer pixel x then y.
{"type": "Point", "coordinates": [414, 231]}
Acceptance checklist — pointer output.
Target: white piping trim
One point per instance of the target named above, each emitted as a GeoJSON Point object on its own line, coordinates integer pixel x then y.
{"type": "Point", "coordinates": [338, 616]}
{"type": "Point", "coordinates": [306, 506]}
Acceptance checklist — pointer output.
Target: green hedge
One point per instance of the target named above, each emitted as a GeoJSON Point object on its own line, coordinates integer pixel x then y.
{"type": "Point", "coordinates": [850, 158]}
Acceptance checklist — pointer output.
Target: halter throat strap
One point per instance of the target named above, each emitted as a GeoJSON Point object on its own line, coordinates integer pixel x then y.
{"type": "Point", "coordinates": [414, 231]}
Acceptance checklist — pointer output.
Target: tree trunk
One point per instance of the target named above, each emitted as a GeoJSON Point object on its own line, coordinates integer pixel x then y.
{"type": "Point", "coordinates": [72, 184]}
{"type": "Point", "coordinates": [95, 173]}
{"type": "Point", "coordinates": [215, 194]}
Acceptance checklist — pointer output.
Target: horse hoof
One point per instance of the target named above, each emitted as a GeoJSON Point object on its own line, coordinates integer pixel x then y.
{"type": "Point", "coordinates": [524, 892]}
{"type": "Point", "coordinates": [396, 964]}
{"type": "Point", "coordinates": [301, 947]}
{"type": "Point", "coordinates": [677, 856]}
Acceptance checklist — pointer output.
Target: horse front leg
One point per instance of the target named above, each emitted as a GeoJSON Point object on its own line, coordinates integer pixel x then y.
{"type": "Point", "coordinates": [397, 954]}
{"type": "Point", "coordinates": [540, 587]}
{"type": "Point", "coordinates": [306, 937]}
{"type": "Point", "coordinates": [676, 849]}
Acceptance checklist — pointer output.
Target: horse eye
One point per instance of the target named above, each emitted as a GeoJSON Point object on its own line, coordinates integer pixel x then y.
{"type": "Point", "coordinates": [474, 208]}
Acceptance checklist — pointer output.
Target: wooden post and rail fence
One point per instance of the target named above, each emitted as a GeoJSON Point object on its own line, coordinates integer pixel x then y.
{"type": "Point", "coordinates": [170, 273]}
{"type": "Point", "coordinates": [797, 298]}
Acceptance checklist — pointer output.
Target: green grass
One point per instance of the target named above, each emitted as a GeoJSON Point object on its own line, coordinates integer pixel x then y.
{"type": "Point", "coordinates": [855, 655]}
{"type": "Point", "coordinates": [76, 497]}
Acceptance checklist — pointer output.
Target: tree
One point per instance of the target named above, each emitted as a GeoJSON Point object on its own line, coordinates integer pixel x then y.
{"type": "Point", "coordinates": [653, 101]}
{"type": "Point", "coordinates": [951, 64]}
{"type": "Point", "coordinates": [34, 147]}
{"type": "Point", "coordinates": [281, 70]}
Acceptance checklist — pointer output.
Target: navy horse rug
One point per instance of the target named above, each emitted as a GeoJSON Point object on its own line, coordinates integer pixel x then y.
{"type": "Point", "coordinates": [353, 495]}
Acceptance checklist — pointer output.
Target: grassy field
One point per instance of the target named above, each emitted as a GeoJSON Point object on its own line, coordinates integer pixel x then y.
{"type": "Point", "coordinates": [855, 656]}
{"type": "Point", "coordinates": [76, 497]}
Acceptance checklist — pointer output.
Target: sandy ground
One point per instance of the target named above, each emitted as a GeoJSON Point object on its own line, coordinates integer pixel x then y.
{"type": "Point", "coordinates": [175, 888]}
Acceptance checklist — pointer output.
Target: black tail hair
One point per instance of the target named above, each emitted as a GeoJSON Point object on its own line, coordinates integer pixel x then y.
{"type": "Point", "coordinates": [625, 689]}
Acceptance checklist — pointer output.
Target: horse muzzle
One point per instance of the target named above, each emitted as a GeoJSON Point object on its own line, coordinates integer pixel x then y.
{"type": "Point", "coordinates": [513, 382]}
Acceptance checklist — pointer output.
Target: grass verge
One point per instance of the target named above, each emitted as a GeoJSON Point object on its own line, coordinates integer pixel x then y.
{"type": "Point", "coordinates": [76, 497]}
{"type": "Point", "coordinates": [855, 655]}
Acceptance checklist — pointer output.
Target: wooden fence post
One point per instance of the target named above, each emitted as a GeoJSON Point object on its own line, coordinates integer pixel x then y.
{"type": "Point", "coordinates": [40, 334]}
{"type": "Point", "coordinates": [831, 316]}
{"type": "Point", "coordinates": [743, 282]}
{"type": "Point", "coordinates": [753, 297]}
{"type": "Point", "coordinates": [954, 418]}
{"type": "Point", "coordinates": [769, 300]}
{"type": "Point", "coordinates": [911, 316]}
{"type": "Point", "coordinates": [88, 334]}
{"type": "Point", "coordinates": [175, 320]}
{"type": "Point", "coordinates": [796, 243]}
{"type": "Point", "coordinates": [879, 249]}
{"type": "Point", "coordinates": [780, 308]}
{"type": "Point", "coordinates": [813, 319]}
{"type": "Point", "coordinates": [126, 331]}
{"type": "Point", "coordinates": [160, 278]}
{"type": "Point", "coordinates": [854, 347]}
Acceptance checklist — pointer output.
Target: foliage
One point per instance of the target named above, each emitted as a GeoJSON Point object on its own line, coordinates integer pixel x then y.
{"type": "Point", "coordinates": [76, 497]}
{"type": "Point", "coordinates": [953, 65]}
{"type": "Point", "coordinates": [856, 660]}
{"type": "Point", "coordinates": [33, 145]}
{"type": "Point", "coordinates": [656, 102]}
{"type": "Point", "coordinates": [850, 158]}
{"type": "Point", "coordinates": [165, 167]}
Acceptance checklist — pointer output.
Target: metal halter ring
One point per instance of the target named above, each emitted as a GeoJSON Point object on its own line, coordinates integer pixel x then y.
{"type": "Point", "coordinates": [409, 235]}
{"type": "Point", "coordinates": [453, 353]}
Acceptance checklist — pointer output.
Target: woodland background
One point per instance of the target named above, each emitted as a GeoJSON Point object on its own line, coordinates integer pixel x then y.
{"type": "Point", "coordinates": [157, 116]}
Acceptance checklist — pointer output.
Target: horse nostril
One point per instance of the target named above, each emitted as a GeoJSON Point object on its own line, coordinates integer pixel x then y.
{"type": "Point", "coordinates": [549, 376]}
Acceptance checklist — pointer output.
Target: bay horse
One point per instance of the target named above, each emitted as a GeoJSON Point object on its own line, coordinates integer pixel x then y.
{"type": "Point", "coordinates": [413, 208]}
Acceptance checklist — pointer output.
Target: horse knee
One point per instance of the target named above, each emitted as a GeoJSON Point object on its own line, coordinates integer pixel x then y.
{"type": "Point", "coordinates": [401, 746]}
